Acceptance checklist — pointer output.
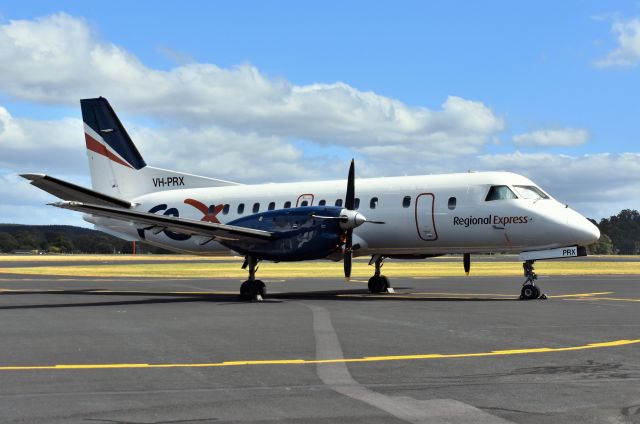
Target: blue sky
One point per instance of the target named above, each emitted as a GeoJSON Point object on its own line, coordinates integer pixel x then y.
{"type": "Point", "coordinates": [547, 89]}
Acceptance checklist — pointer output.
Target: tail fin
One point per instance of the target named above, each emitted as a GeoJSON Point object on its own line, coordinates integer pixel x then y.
{"type": "Point", "coordinates": [117, 168]}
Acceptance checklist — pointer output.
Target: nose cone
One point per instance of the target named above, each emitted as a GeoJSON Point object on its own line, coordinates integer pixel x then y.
{"type": "Point", "coordinates": [584, 231]}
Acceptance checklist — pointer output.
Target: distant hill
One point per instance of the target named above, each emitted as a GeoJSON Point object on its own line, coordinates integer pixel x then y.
{"type": "Point", "coordinates": [65, 239]}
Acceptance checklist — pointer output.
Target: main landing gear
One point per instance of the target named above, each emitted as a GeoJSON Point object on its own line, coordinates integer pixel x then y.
{"type": "Point", "coordinates": [252, 289]}
{"type": "Point", "coordinates": [529, 289]}
{"type": "Point", "coordinates": [379, 283]}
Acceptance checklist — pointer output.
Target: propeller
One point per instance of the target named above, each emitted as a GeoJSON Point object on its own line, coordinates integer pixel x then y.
{"type": "Point", "coordinates": [349, 203]}
{"type": "Point", "coordinates": [349, 219]}
{"type": "Point", "coordinates": [466, 261]}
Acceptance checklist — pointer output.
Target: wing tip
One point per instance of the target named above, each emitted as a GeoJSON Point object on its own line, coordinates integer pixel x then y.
{"type": "Point", "coordinates": [33, 177]}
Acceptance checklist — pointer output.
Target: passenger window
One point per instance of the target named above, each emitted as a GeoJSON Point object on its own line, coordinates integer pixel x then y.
{"type": "Point", "coordinates": [240, 208]}
{"type": "Point", "coordinates": [322, 202]}
{"type": "Point", "coordinates": [225, 209]}
{"type": "Point", "coordinates": [406, 202]}
{"type": "Point", "coordinates": [256, 207]}
{"type": "Point", "coordinates": [373, 203]}
{"type": "Point", "coordinates": [272, 206]}
{"type": "Point", "coordinates": [356, 203]}
{"type": "Point", "coordinates": [530, 192]}
{"type": "Point", "coordinates": [287, 204]}
{"type": "Point", "coordinates": [339, 202]}
{"type": "Point", "coordinates": [452, 203]}
{"type": "Point", "coordinates": [304, 203]}
{"type": "Point", "coordinates": [500, 192]}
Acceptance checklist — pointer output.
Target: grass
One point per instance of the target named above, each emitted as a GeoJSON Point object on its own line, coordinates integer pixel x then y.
{"type": "Point", "coordinates": [213, 268]}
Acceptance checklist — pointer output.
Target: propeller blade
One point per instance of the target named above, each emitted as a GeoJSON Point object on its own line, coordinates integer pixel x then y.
{"type": "Point", "coordinates": [349, 201]}
{"type": "Point", "coordinates": [348, 254]}
{"type": "Point", "coordinates": [466, 260]}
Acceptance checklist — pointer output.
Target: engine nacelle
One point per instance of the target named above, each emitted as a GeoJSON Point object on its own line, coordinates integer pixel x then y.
{"type": "Point", "coordinates": [300, 235]}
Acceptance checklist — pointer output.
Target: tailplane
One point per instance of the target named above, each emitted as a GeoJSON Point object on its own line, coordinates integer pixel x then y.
{"type": "Point", "coordinates": [117, 167]}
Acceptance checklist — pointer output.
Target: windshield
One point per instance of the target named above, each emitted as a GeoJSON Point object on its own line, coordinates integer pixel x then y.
{"type": "Point", "coordinates": [500, 193]}
{"type": "Point", "coordinates": [530, 192]}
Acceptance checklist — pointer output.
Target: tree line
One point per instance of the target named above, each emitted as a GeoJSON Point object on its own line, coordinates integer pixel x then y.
{"type": "Point", "coordinates": [620, 234]}
{"type": "Point", "coordinates": [65, 239]}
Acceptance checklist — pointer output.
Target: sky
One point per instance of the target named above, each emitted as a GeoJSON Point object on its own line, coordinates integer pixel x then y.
{"type": "Point", "coordinates": [274, 91]}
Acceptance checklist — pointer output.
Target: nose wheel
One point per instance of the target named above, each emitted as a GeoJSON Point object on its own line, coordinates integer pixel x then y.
{"type": "Point", "coordinates": [529, 289]}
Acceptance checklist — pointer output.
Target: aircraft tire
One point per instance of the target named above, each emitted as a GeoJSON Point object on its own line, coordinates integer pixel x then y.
{"type": "Point", "coordinates": [262, 288]}
{"type": "Point", "coordinates": [378, 284]}
{"type": "Point", "coordinates": [529, 292]}
{"type": "Point", "coordinates": [248, 290]}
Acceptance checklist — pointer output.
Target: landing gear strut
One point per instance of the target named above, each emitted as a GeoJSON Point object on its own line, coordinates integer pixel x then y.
{"type": "Point", "coordinates": [529, 289]}
{"type": "Point", "coordinates": [252, 289]}
{"type": "Point", "coordinates": [378, 283]}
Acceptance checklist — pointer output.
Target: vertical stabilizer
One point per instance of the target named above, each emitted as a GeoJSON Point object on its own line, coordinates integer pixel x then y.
{"type": "Point", "coordinates": [117, 167]}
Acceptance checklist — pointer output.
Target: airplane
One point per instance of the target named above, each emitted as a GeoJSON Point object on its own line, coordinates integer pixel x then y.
{"type": "Point", "coordinates": [408, 217]}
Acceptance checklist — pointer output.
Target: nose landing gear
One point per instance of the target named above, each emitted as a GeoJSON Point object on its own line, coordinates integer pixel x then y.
{"type": "Point", "coordinates": [529, 289]}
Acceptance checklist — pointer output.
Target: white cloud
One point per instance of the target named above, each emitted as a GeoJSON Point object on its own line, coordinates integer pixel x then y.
{"type": "Point", "coordinates": [58, 59]}
{"type": "Point", "coordinates": [628, 51]}
{"type": "Point", "coordinates": [565, 137]}
{"type": "Point", "coordinates": [597, 185]}
{"type": "Point", "coordinates": [29, 144]}
{"type": "Point", "coordinates": [238, 124]}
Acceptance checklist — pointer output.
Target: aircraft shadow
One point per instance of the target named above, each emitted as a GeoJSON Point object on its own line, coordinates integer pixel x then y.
{"type": "Point", "coordinates": [151, 297]}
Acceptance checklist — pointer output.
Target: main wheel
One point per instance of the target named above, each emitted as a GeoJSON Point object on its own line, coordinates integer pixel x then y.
{"type": "Point", "coordinates": [378, 284]}
{"type": "Point", "coordinates": [385, 282]}
{"type": "Point", "coordinates": [529, 292]}
{"type": "Point", "coordinates": [262, 288]}
{"type": "Point", "coordinates": [249, 290]}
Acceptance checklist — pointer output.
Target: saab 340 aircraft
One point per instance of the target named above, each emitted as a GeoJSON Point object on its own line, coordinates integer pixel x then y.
{"type": "Point", "coordinates": [400, 217]}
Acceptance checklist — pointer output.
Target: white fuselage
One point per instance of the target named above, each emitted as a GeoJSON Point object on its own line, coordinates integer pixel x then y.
{"type": "Point", "coordinates": [443, 214]}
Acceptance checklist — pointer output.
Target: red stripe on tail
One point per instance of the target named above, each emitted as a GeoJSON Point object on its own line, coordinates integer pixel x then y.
{"type": "Point", "coordinates": [99, 148]}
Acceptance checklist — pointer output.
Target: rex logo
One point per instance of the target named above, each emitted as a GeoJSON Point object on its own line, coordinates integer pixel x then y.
{"type": "Point", "coordinates": [209, 215]}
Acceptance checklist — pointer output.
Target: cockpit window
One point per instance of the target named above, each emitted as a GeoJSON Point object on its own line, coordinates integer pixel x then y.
{"type": "Point", "coordinates": [500, 192]}
{"type": "Point", "coordinates": [530, 192]}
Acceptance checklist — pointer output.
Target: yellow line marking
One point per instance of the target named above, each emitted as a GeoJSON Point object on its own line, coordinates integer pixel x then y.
{"type": "Point", "coordinates": [418, 295]}
{"type": "Point", "coordinates": [580, 295]}
{"type": "Point", "coordinates": [610, 298]}
{"type": "Point", "coordinates": [326, 361]}
{"type": "Point", "coordinates": [103, 291]}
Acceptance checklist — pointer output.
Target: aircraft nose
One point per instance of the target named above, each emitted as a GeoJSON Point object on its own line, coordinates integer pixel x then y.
{"type": "Point", "coordinates": [585, 232]}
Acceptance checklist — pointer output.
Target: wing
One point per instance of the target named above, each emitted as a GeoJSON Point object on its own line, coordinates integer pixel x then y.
{"type": "Point", "coordinates": [71, 192]}
{"type": "Point", "coordinates": [221, 232]}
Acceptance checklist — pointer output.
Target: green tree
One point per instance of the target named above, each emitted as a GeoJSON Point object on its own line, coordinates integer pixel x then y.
{"type": "Point", "coordinates": [624, 231]}
{"type": "Point", "coordinates": [604, 246]}
{"type": "Point", "coordinates": [7, 243]}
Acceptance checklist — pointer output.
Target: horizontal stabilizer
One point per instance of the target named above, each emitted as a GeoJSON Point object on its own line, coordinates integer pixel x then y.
{"type": "Point", "coordinates": [71, 192]}
{"type": "Point", "coordinates": [220, 232]}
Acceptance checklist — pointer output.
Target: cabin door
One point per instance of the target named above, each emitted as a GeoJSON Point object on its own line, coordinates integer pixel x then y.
{"type": "Point", "coordinates": [425, 218]}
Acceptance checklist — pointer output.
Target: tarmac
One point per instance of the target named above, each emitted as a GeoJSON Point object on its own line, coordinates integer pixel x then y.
{"type": "Point", "coordinates": [454, 350]}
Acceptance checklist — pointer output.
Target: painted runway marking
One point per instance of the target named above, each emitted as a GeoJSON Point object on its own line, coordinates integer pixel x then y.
{"type": "Point", "coordinates": [600, 345]}
{"type": "Point", "coordinates": [103, 291]}
{"type": "Point", "coordinates": [622, 299]}
{"type": "Point", "coordinates": [436, 295]}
